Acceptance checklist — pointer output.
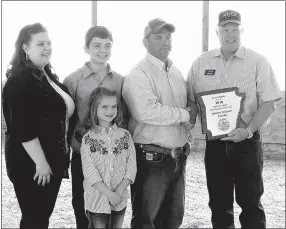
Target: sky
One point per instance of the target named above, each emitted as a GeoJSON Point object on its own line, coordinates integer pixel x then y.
{"type": "Point", "coordinates": [68, 21]}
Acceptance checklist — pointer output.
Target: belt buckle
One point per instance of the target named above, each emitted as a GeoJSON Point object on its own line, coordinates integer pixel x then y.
{"type": "Point", "coordinates": [149, 156]}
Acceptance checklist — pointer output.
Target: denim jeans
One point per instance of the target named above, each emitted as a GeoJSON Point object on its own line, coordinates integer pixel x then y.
{"type": "Point", "coordinates": [158, 193]}
{"type": "Point", "coordinates": [78, 192]}
{"type": "Point", "coordinates": [36, 201]}
{"type": "Point", "coordinates": [102, 220]}
{"type": "Point", "coordinates": [235, 166]}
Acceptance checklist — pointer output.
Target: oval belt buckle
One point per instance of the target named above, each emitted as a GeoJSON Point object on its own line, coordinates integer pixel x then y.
{"type": "Point", "coordinates": [173, 153]}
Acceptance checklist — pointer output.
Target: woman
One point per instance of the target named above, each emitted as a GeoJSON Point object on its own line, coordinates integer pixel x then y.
{"type": "Point", "coordinates": [39, 116]}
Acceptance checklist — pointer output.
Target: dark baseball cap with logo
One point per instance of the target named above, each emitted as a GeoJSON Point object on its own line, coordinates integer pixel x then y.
{"type": "Point", "coordinates": [229, 16]}
{"type": "Point", "coordinates": [156, 25]}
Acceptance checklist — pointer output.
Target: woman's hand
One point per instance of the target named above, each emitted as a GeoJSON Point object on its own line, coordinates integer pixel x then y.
{"type": "Point", "coordinates": [43, 173]}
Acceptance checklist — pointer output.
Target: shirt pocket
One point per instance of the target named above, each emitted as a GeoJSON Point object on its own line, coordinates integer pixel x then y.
{"type": "Point", "coordinates": [208, 82]}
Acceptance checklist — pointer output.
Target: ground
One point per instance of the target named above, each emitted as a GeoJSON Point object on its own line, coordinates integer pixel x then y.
{"type": "Point", "coordinates": [197, 213]}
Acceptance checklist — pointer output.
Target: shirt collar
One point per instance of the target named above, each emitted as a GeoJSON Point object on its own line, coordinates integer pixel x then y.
{"type": "Point", "coordinates": [86, 71]}
{"type": "Point", "coordinates": [158, 63]}
{"type": "Point", "coordinates": [240, 53]}
{"type": "Point", "coordinates": [99, 129]}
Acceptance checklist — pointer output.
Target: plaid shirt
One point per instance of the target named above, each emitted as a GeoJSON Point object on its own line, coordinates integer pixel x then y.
{"type": "Point", "coordinates": [108, 158]}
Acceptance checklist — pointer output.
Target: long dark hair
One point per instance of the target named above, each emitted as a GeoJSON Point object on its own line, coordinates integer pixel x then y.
{"type": "Point", "coordinates": [95, 98]}
{"type": "Point", "coordinates": [19, 62]}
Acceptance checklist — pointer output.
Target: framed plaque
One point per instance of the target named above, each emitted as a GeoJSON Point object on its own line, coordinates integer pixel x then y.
{"type": "Point", "coordinates": [220, 111]}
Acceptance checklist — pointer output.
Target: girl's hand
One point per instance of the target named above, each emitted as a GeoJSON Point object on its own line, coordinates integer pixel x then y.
{"type": "Point", "coordinates": [114, 198]}
{"type": "Point", "coordinates": [119, 190]}
{"type": "Point", "coordinates": [43, 173]}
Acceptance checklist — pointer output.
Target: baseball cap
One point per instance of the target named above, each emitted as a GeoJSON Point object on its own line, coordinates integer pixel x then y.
{"type": "Point", "coordinates": [229, 16]}
{"type": "Point", "coordinates": [156, 24]}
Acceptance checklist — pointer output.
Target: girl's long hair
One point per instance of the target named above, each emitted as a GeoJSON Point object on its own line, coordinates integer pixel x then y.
{"type": "Point", "coordinates": [19, 62]}
{"type": "Point", "coordinates": [91, 120]}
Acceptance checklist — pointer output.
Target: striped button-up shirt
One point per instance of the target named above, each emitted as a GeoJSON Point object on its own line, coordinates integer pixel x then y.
{"type": "Point", "coordinates": [157, 97]}
{"type": "Point", "coordinates": [246, 69]}
{"type": "Point", "coordinates": [108, 158]}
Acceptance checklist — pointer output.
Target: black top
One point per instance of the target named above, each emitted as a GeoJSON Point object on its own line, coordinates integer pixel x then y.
{"type": "Point", "coordinates": [33, 109]}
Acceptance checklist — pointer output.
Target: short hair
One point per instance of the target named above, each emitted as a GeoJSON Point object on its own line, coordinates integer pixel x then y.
{"type": "Point", "coordinates": [95, 98]}
{"type": "Point", "coordinates": [97, 31]}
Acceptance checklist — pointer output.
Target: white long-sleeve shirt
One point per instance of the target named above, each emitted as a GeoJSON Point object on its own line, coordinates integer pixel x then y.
{"type": "Point", "coordinates": [157, 99]}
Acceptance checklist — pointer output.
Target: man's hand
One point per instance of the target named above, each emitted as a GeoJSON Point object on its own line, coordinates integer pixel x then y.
{"type": "Point", "coordinates": [236, 135]}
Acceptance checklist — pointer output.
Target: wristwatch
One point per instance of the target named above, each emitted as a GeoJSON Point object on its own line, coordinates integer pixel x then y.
{"type": "Point", "coordinates": [249, 133]}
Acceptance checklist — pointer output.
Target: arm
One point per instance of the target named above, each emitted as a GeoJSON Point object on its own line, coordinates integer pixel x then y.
{"type": "Point", "coordinates": [125, 114]}
{"type": "Point", "coordinates": [260, 117]}
{"type": "Point", "coordinates": [24, 122]}
{"type": "Point", "coordinates": [35, 151]}
{"type": "Point", "coordinates": [268, 93]}
{"type": "Point", "coordinates": [124, 108]}
{"type": "Point", "coordinates": [92, 175]}
{"type": "Point", "coordinates": [144, 104]}
{"type": "Point", "coordinates": [191, 104]}
{"type": "Point", "coordinates": [264, 111]}
{"type": "Point", "coordinates": [131, 168]}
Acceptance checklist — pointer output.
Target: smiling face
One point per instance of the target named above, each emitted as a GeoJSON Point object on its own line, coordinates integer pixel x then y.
{"type": "Point", "coordinates": [229, 37]}
{"type": "Point", "coordinates": [106, 111]}
{"type": "Point", "coordinates": [159, 45]}
{"type": "Point", "coordinates": [39, 49]}
{"type": "Point", "coordinates": [99, 50]}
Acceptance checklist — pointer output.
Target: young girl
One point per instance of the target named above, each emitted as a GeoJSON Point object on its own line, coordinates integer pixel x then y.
{"type": "Point", "coordinates": [108, 161]}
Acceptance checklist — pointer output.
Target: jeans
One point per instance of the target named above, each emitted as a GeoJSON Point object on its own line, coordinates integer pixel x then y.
{"type": "Point", "coordinates": [77, 191]}
{"type": "Point", "coordinates": [158, 193]}
{"type": "Point", "coordinates": [235, 166]}
{"type": "Point", "coordinates": [36, 201]}
{"type": "Point", "coordinates": [102, 220]}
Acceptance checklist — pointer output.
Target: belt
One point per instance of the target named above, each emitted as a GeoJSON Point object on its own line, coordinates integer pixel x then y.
{"type": "Point", "coordinates": [158, 149]}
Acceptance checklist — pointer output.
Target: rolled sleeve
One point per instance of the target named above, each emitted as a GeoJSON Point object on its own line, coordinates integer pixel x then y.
{"type": "Point", "coordinates": [143, 103]}
{"type": "Point", "coordinates": [267, 86]}
{"type": "Point", "coordinates": [131, 167]}
{"type": "Point", "coordinates": [89, 170]}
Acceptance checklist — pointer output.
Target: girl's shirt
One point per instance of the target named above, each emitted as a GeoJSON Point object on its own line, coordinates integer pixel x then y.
{"type": "Point", "coordinates": [107, 157]}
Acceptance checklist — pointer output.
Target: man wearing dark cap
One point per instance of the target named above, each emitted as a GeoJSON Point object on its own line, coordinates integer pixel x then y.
{"type": "Point", "coordinates": [155, 92]}
{"type": "Point", "coordinates": [235, 161]}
